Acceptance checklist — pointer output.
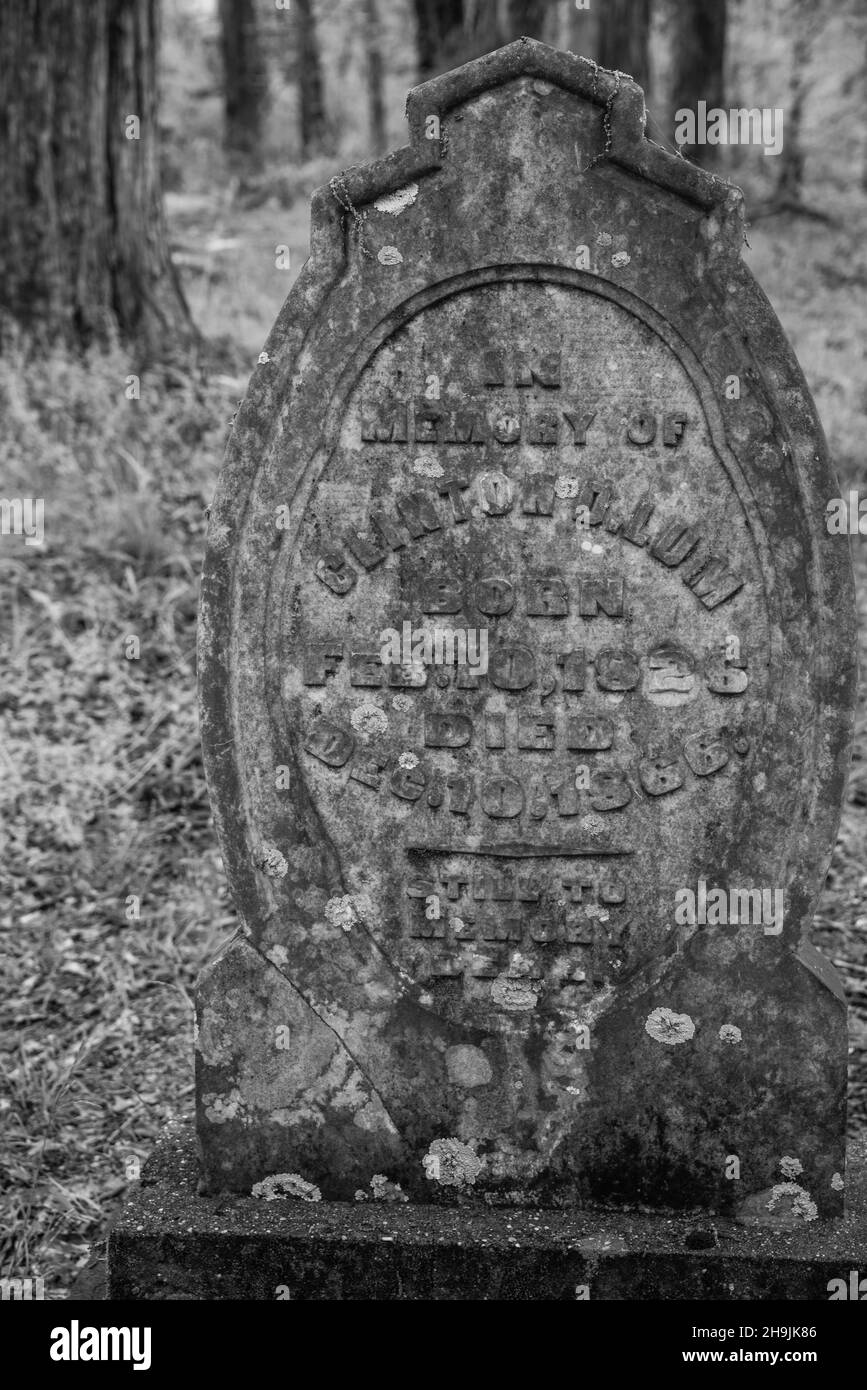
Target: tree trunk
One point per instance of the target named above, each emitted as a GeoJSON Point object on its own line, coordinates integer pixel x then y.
{"type": "Point", "coordinates": [528, 17]}
{"type": "Point", "coordinates": [788, 196]}
{"type": "Point", "coordinates": [698, 36]}
{"type": "Point", "coordinates": [246, 84]}
{"type": "Point", "coordinates": [373, 52]}
{"type": "Point", "coordinates": [577, 30]}
{"type": "Point", "coordinates": [790, 184]}
{"type": "Point", "coordinates": [486, 25]}
{"type": "Point", "coordinates": [439, 30]}
{"type": "Point", "coordinates": [624, 32]}
{"type": "Point", "coordinates": [83, 248]}
{"type": "Point", "coordinates": [864, 90]}
{"type": "Point", "coordinates": [313, 123]}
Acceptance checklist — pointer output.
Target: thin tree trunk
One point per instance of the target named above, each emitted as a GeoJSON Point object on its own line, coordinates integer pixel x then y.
{"type": "Point", "coordinates": [577, 30]}
{"type": "Point", "coordinates": [486, 24]}
{"type": "Point", "coordinates": [312, 118]}
{"type": "Point", "coordinates": [83, 247]}
{"type": "Point", "coordinates": [864, 90]}
{"type": "Point", "coordinates": [790, 185]}
{"type": "Point", "coordinates": [698, 36]}
{"type": "Point", "coordinates": [788, 196]}
{"type": "Point", "coordinates": [528, 17]}
{"type": "Point", "coordinates": [373, 52]}
{"type": "Point", "coordinates": [246, 83]}
{"type": "Point", "coordinates": [439, 26]}
{"type": "Point", "coordinates": [624, 33]}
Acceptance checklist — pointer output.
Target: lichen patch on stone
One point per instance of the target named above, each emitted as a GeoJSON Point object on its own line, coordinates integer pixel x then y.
{"type": "Point", "coordinates": [397, 202]}
{"type": "Point", "coordinates": [389, 255]}
{"type": "Point", "coordinates": [219, 535]}
{"type": "Point", "coordinates": [451, 1163]}
{"type": "Point", "coordinates": [342, 912]}
{"type": "Point", "coordinates": [513, 994]}
{"type": "Point", "coordinates": [384, 1190]}
{"type": "Point", "coordinates": [730, 1033]}
{"type": "Point", "coordinates": [791, 1167]}
{"type": "Point", "coordinates": [368, 720]}
{"type": "Point", "coordinates": [799, 1200]}
{"type": "Point", "coordinates": [281, 1186]}
{"type": "Point", "coordinates": [271, 861]}
{"type": "Point", "coordinates": [213, 1043]}
{"type": "Point", "coordinates": [427, 466]}
{"type": "Point", "coordinates": [468, 1066]}
{"type": "Point", "coordinates": [370, 1117]}
{"type": "Point", "coordinates": [668, 1027]}
{"type": "Point", "coordinates": [219, 1109]}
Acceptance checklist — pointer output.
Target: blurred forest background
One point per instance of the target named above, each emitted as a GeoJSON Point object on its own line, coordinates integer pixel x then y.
{"type": "Point", "coordinates": [140, 272]}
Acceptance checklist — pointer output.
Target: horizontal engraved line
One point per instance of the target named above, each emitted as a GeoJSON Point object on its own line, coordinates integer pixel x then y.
{"type": "Point", "coordinates": [520, 851]}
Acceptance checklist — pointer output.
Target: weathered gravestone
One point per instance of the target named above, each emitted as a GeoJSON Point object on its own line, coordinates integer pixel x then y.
{"type": "Point", "coordinates": [526, 394]}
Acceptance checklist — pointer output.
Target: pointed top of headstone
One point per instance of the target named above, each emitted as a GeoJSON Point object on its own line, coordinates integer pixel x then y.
{"type": "Point", "coordinates": [619, 135]}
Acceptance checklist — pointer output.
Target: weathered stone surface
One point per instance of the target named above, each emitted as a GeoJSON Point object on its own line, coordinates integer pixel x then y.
{"type": "Point", "coordinates": [526, 387]}
{"type": "Point", "coordinates": [170, 1243]}
{"type": "Point", "coordinates": [298, 1096]}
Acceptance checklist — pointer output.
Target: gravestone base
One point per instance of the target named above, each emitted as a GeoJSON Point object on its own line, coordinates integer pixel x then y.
{"type": "Point", "coordinates": [172, 1244]}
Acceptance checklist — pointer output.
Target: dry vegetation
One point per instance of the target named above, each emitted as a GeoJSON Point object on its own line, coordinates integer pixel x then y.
{"type": "Point", "coordinates": [102, 794]}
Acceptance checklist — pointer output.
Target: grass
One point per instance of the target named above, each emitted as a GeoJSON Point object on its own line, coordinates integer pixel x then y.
{"type": "Point", "coordinates": [102, 795]}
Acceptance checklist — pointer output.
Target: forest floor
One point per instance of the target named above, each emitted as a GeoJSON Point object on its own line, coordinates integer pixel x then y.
{"type": "Point", "coordinates": [102, 797]}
